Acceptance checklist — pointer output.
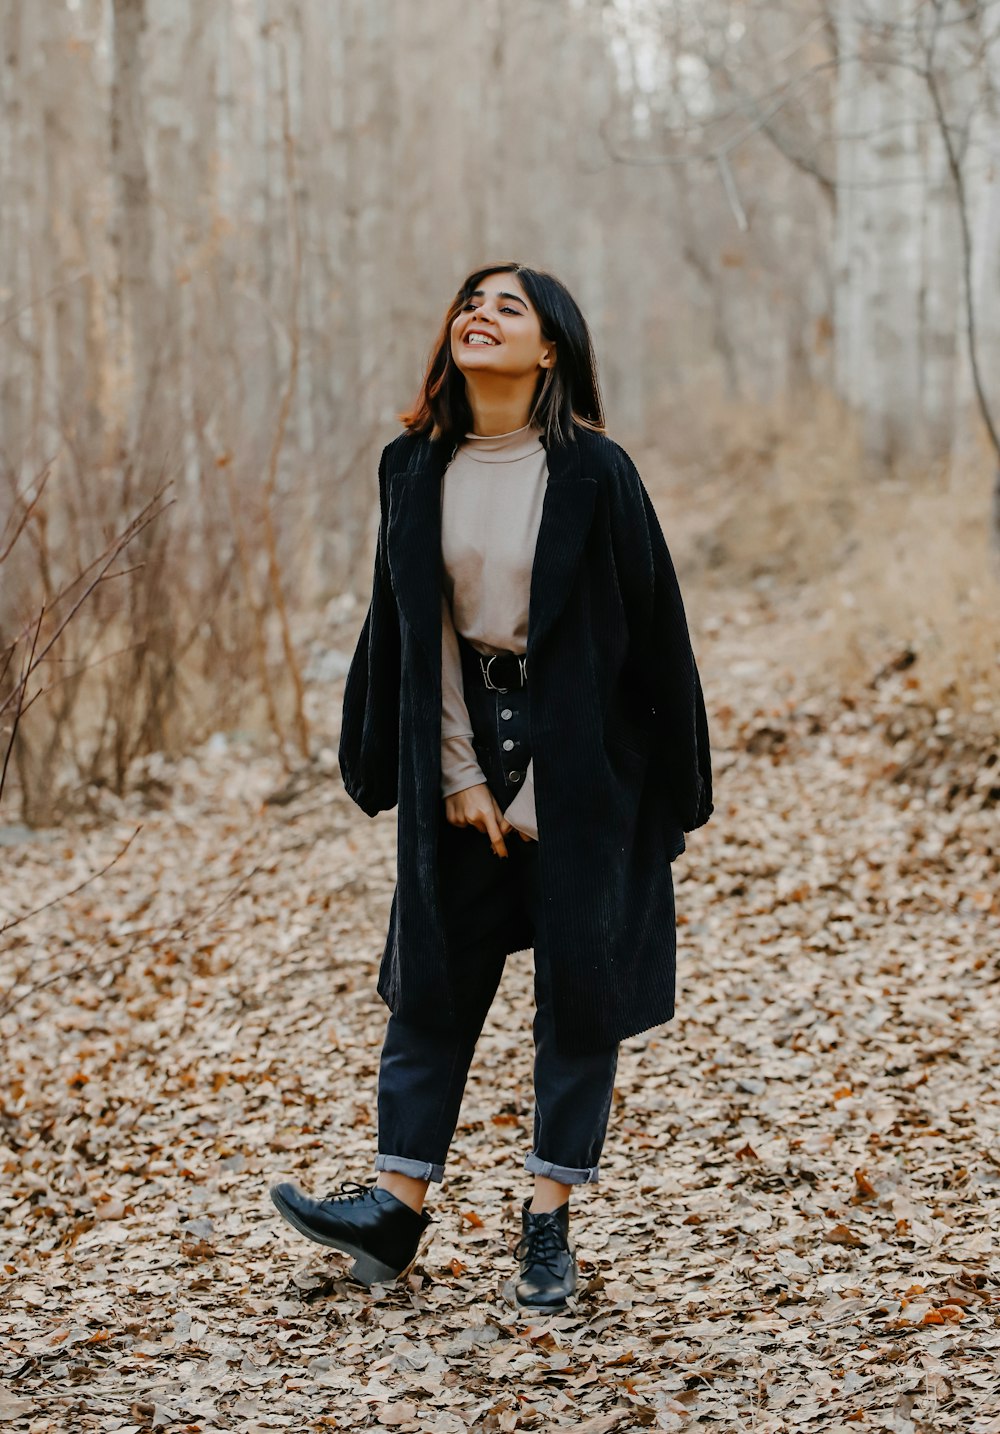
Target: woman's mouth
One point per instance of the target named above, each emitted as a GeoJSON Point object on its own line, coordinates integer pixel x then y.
{"type": "Point", "coordinates": [477, 336]}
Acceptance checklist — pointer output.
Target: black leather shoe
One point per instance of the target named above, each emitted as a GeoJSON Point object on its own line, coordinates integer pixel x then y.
{"type": "Point", "coordinates": [381, 1231]}
{"type": "Point", "coordinates": [548, 1262]}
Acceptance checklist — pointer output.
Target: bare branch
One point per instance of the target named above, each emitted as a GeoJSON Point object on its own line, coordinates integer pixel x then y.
{"type": "Point", "coordinates": [63, 896]}
{"type": "Point", "coordinates": [174, 930]}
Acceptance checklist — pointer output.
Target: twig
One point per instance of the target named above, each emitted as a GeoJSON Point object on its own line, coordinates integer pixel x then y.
{"type": "Point", "coordinates": [20, 704]}
{"type": "Point", "coordinates": [29, 508]}
{"type": "Point", "coordinates": [273, 566]}
{"type": "Point", "coordinates": [962, 204]}
{"type": "Point", "coordinates": [145, 516]}
{"type": "Point", "coordinates": [26, 916]}
{"type": "Point", "coordinates": [11, 1002]}
{"type": "Point", "coordinates": [141, 521]}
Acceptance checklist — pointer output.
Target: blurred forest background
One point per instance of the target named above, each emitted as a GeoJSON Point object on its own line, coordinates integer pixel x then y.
{"type": "Point", "coordinates": [230, 229]}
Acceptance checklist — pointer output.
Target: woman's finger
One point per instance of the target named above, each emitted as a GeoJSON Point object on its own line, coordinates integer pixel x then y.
{"type": "Point", "coordinates": [493, 829]}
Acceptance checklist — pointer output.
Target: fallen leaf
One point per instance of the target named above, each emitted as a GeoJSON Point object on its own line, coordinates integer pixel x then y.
{"type": "Point", "coordinates": [865, 1189]}
{"type": "Point", "coordinates": [842, 1235]}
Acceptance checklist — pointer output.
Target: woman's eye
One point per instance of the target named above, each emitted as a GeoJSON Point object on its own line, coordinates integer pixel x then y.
{"type": "Point", "coordinates": [505, 309]}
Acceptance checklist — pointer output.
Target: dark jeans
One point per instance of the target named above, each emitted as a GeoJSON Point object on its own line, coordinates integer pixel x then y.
{"type": "Point", "coordinates": [422, 1074]}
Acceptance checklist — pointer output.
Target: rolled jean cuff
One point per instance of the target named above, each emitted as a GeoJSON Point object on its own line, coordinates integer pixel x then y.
{"type": "Point", "coordinates": [565, 1174]}
{"type": "Point", "coordinates": [403, 1165]}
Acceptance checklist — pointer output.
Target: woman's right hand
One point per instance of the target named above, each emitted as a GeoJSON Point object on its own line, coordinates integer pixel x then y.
{"type": "Point", "coordinates": [478, 807]}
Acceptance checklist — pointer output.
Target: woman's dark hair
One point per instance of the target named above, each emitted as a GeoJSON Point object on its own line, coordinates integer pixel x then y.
{"type": "Point", "coordinates": [568, 393]}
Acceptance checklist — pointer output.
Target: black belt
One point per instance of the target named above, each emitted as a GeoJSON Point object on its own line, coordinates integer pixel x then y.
{"type": "Point", "coordinates": [499, 671]}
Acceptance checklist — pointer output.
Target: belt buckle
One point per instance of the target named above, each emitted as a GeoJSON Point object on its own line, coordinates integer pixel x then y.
{"type": "Point", "coordinates": [485, 668]}
{"type": "Point", "coordinates": [484, 664]}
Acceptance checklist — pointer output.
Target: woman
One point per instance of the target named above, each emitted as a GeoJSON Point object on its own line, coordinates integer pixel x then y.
{"type": "Point", "coordinates": [524, 689]}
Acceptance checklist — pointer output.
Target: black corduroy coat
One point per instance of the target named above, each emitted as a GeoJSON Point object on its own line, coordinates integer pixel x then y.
{"type": "Point", "coordinates": [618, 732]}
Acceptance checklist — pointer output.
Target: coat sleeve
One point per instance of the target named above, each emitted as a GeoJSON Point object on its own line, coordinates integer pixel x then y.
{"type": "Point", "coordinates": [369, 733]}
{"type": "Point", "coordinates": [661, 660]}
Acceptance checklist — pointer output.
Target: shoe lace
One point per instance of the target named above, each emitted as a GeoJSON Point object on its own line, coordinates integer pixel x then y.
{"type": "Point", "coordinates": [542, 1244]}
{"type": "Point", "coordinates": [351, 1190]}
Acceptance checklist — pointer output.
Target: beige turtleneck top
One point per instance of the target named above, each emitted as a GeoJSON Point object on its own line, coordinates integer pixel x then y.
{"type": "Point", "coordinates": [491, 507]}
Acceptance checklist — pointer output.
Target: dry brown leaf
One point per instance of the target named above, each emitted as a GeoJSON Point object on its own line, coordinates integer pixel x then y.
{"type": "Point", "coordinates": [842, 1235]}
{"type": "Point", "coordinates": [865, 1189]}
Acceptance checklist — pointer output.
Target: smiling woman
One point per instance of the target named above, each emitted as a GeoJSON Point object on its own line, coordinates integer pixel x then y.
{"type": "Point", "coordinates": [525, 612]}
{"type": "Point", "coordinates": [540, 363]}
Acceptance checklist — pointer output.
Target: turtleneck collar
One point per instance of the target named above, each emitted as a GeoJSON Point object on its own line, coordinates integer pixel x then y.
{"type": "Point", "coordinates": [502, 447]}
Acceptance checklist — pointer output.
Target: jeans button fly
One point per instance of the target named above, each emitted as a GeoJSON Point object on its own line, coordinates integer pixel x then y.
{"type": "Point", "coordinates": [506, 713]}
{"type": "Point", "coordinates": [508, 744]}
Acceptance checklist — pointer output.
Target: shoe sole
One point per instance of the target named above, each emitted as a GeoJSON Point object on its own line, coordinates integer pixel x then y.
{"type": "Point", "coordinates": [531, 1305]}
{"type": "Point", "coordinates": [367, 1270]}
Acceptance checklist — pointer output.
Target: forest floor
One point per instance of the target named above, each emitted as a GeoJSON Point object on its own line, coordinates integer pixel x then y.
{"type": "Point", "coordinates": [796, 1225]}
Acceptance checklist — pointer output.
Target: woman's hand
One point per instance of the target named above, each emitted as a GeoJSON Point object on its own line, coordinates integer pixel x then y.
{"type": "Point", "coordinates": [478, 807]}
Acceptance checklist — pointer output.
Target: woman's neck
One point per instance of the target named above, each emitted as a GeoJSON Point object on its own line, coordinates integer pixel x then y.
{"type": "Point", "coordinates": [502, 411]}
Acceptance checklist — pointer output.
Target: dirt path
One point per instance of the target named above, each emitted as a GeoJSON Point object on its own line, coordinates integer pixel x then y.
{"type": "Point", "coordinates": [794, 1228]}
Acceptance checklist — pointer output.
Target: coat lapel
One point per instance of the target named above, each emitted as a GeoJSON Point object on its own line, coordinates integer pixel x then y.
{"type": "Point", "coordinates": [414, 539]}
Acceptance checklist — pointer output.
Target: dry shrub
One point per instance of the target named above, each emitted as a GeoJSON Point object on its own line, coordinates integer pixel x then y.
{"type": "Point", "coordinates": [162, 651]}
{"type": "Point", "coordinates": [860, 564]}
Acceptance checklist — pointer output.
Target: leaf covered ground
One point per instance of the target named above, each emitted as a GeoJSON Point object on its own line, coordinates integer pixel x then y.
{"type": "Point", "coordinates": [795, 1225]}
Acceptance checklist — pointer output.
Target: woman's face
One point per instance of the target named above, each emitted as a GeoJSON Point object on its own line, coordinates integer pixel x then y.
{"type": "Point", "coordinates": [509, 342]}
